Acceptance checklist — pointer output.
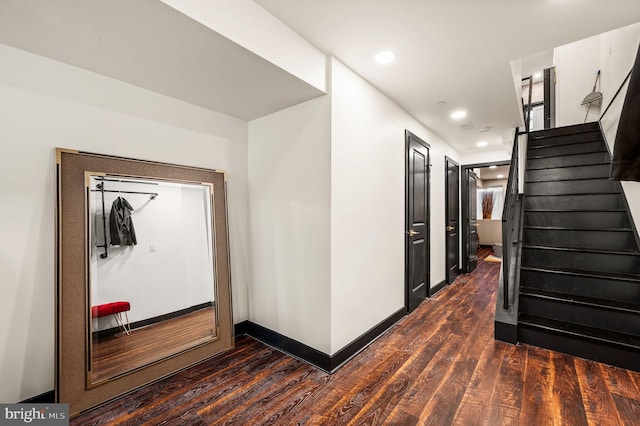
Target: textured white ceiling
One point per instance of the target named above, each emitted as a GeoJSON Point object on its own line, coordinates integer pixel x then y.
{"type": "Point", "coordinates": [457, 51]}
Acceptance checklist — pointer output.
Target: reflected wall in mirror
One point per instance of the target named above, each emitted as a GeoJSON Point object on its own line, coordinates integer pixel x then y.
{"type": "Point", "coordinates": [151, 272]}
{"type": "Point", "coordinates": [143, 280]}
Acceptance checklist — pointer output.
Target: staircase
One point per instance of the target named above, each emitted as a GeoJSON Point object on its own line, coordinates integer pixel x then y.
{"type": "Point", "coordinates": [580, 274]}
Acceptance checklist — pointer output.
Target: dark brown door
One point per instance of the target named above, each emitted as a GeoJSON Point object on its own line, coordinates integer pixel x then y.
{"type": "Point", "coordinates": [417, 222]}
{"type": "Point", "coordinates": [472, 221]}
{"type": "Point", "coordinates": [452, 231]}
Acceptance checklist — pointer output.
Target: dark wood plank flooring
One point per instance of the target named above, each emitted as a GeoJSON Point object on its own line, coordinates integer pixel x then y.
{"type": "Point", "coordinates": [439, 366]}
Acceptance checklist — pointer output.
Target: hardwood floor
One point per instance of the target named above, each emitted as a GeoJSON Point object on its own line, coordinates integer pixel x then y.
{"type": "Point", "coordinates": [440, 366]}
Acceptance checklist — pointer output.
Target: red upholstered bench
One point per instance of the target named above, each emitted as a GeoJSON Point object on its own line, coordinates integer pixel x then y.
{"type": "Point", "coordinates": [115, 309]}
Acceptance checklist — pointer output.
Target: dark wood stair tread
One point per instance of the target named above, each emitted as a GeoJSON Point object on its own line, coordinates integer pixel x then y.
{"type": "Point", "coordinates": [572, 194]}
{"type": "Point", "coordinates": [594, 163]}
{"type": "Point", "coordinates": [604, 336]}
{"type": "Point", "coordinates": [582, 250]}
{"type": "Point", "coordinates": [565, 130]}
{"type": "Point", "coordinates": [542, 157]}
{"type": "Point", "coordinates": [580, 300]}
{"type": "Point", "coordinates": [569, 179]}
{"type": "Point", "coordinates": [567, 228]}
{"type": "Point", "coordinates": [583, 273]}
{"type": "Point", "coordinates": [574, 210]}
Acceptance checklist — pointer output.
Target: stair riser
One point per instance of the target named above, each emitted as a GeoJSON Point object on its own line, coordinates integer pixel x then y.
{"type": "Point", "coordinates": [597, 317]}
{"type": "Point", "coordinates": [600, 171]}
{"type": "Point", "coordinates": [626, 264]}
{"type": "Point", "coordinates": [571, 132]}
{"type": "Point", "coordinates": [582, 220]}
{"type": "Point", "coordinates": [568, 161]}
{"type": "Point", "coordinates": [584, 348]}
{"type": "Point", "coordinates": [572, 187]}
{"type": "Point", "coordinates": [574, 202]}
{"type": "Point", "coordinates": [598, 288]}
{"type": "Point", "coordinates": [553, 151]}
{"type": "Point", "coordinates": [602, 240]}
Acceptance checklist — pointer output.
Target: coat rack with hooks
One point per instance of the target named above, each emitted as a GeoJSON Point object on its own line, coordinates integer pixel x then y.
{"type": "Point", "coordinates": [100, 188]}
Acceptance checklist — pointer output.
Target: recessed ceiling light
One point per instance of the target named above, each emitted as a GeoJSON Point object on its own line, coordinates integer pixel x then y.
{"type": "Point", "coordinates": [493, 167]}
{"type": "Point", "coordinates": [441, 103]}
{"type": "Point", "coordinates": [482, 144]}
{"type": "Point", "coordinates": [459, 114]}
{"type": "Point", "coordinates": [500, 176]}
{"type": "Point", "coordinates": [384, 58]}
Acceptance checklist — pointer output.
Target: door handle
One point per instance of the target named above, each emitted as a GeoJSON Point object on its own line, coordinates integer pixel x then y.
{"type": "Point", "coordinates": [412, 233]}
{"type": "Point", "coordinates": [450, 228]}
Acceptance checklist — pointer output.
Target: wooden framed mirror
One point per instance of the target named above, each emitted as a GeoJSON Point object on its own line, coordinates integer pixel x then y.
{"type": "Point", "coordinates": [143, 278]}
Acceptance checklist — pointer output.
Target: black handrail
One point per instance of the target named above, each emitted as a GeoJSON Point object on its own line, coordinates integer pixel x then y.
{"type": "Point", "coordinates": [616, 95]}
{"type": "Point", "coordinates": [508, 213]}
{"type": "Point", "coordinates": [511, 219]}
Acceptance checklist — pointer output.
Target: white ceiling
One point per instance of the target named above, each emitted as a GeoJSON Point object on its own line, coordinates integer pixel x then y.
{"type": "Point", "coordinates": [151, 45]}
{"type": "Point", "coordinates": [457, 51]}
{"type": "Point", "coordinates": [487, 173]}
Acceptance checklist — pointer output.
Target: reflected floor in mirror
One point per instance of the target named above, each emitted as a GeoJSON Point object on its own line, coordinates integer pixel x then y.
{"type": "Point", "coordinates": [120, 353]}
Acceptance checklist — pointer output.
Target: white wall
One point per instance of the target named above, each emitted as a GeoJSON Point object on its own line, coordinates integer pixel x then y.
{"type": "Point", "coordinates": [489, 231]}
{"type": "Point", "coordinates": [577, 64]}
{"type": "Point", "coordinates": [367, 205]}
{"type": "Point", "coordinates": [289, 193]}
{"type": "Point", "coordinates": [618, 50]}
{"type": "Point", "coordinates": [46, 104]}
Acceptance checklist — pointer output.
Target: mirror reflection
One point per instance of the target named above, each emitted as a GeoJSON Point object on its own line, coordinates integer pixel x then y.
{"type": "Point", "coordinates": [151, 271]}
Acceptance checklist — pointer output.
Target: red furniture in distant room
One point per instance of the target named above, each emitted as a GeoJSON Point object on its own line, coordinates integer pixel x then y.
{"type": "Point", "coordinates": [116, 309]}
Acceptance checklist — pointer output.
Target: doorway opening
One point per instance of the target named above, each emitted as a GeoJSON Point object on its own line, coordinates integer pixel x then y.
{"type": "Point", "coordinates": [483, 193]}
{"type": "Point", "coordinates": [541, 88]}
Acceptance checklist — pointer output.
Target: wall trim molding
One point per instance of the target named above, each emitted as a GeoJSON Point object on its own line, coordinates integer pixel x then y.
{"type": "Point", "coordinates": [321, 360]}
{"type": "Point", "coordinates": [44, 398]}
{"type": "Point", "coordinates": [290, 346]}
{"type": "Point", "coordinates": [241, 328]}
{"type": "Point", "coordinates": [436, 288]}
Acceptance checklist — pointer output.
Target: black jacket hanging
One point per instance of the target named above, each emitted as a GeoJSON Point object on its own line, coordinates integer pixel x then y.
{"type": "Point", "coordinates": [120, 224]}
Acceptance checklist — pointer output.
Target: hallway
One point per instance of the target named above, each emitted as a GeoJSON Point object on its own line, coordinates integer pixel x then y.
{"type": "Point", "coordinates": [440, 365]}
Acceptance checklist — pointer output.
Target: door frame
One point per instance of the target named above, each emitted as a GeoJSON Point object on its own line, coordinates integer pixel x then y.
{"type": "Point", "coordinates": [407, 138]}
{"type": "Point", "coordinates": [550, 98]}
{"type": "Point", "coordinates": [464, 210]}
{"type": "Point", "coordinates": [447, 161]}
